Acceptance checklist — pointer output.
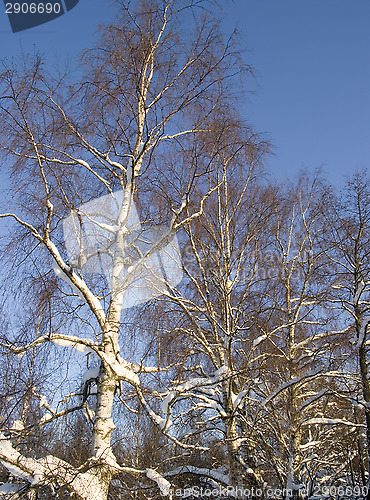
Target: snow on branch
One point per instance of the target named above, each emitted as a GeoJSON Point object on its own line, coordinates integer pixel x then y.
{"type": "Point", "coordinates": [123, 369]}
{"type": "Point", "coordinates": [62, 274]}
{"type": "Point", "coordinates": [80, 344]}
{"type": "Point", "coordinates": [208, 403]}
{"type": "Point", "coordinates": [237, 399]}
{"type": "Point", "coordinates": [51, 470]}
{"type": "Point", "coordinates": [196, 382]}
{"type": "Point", "coordinates": [164, 424]}
{"type": "Point", "coordinates": [320, 336]}
{"type": "Point", "coordinates": [312, 399]}
{"type": "Point", "coordinates": [19, 350]}
{"type": "Point", "coordinates": [163, 484]}
{"type": "Point", "coordinates": [359, 289]}
{"type": "Point", "coordinates": [331, 421]}
{"type": "Point", "coordinates": [365, 320]}
{"type": "Point", "coordinates": [201, 471]}
{"type": "Point", "coordinates": [288, 383]}
{"type": "Point", "coordinates": [32, 229]}
{"type": "Point", "coordinates": [12, 460]}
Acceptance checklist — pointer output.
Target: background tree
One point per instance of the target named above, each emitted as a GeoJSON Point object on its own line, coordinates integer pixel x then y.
{"type": "Point", "coordinates": [210, 313]}
{"type": "Point", "coordinates": [298, 338]}
{"type": "Point", "coordinates": [349, 224]}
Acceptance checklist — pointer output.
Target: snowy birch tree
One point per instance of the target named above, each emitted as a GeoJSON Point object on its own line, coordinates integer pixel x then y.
{"type": "Point", "coordinates": [86, 163]}
{"type": "Point", "coordinates": [169, 317]}
{"type": "Point", "coordinates": [311, 429]}
{"type": "Point", "coordinates": [212, 312]}
{"type": "Point", "coordinates": [298, 344]}
{"type": "Point", "coordinates": [350, 223]}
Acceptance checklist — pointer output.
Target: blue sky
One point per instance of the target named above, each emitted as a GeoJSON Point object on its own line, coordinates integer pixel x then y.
{"type": "Point", "coordinates": [311, 58]}
{"type": "Point", "coordinates": [312, 62]}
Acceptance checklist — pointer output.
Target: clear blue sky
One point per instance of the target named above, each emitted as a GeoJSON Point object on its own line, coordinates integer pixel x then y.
{"type": "Point", "coordinates": [312, 64]}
